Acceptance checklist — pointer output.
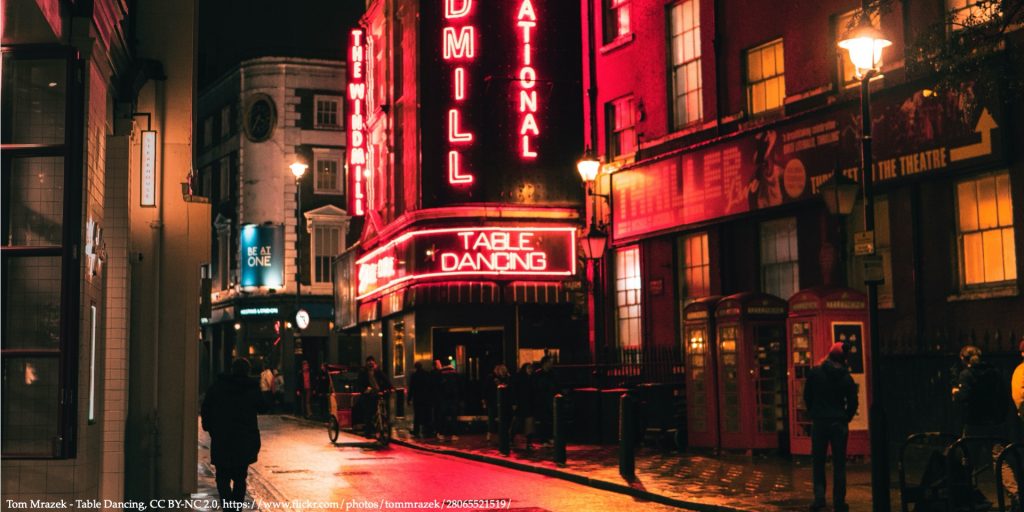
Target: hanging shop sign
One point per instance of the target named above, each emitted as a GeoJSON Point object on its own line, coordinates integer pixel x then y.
{"type": "Point", "coordinates": [356, 99]}
{"type": "Point", "coordinates": [262, 256]}
{"type": "Point", "coordinates": [501, 77]}
{"type": "Point", "coordinates": [914, 135]}
{"type": "Point", "coordinates": [540, 252]}
{"type": "Point", "coordinates": [147, 196]}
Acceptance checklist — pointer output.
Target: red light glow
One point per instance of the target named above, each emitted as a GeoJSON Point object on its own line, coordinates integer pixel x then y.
{"type": "Point", "coordinates": [526, 19]}
{"type": "Point", "coordinates": [458, 44]}
{"type": "Point", "coordinates": [356, 135]}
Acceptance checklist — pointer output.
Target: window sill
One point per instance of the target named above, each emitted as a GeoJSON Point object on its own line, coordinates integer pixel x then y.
{"type": "Point", "coordinates": [993, 292]}
{"type": "Point", "coordinates": [328, 193]}
{"type": "Point", "coordinates": [328, 128]}
{"type": "Point", "coordinates": [617, 43]}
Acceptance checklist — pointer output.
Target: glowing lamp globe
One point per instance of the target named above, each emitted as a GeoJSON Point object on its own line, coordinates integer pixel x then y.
{"type": "Point", "coordinates": [298, 169]}
{"type": "Point", "coordinates": [594, 243]}
{"type": "Point", "coordinates": [588, 167]}
{"type": "Point", "coordinates": [865, 44]}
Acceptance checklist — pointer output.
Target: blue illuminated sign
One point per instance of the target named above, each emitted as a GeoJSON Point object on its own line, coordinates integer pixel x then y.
{"type": "Point", "coordinates": [262, 257]}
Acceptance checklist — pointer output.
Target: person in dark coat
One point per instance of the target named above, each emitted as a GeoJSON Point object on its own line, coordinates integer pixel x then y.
{"type": "Point", "coordinates": [522, 406]}
{"type": "Point", "coordinates": [981, 393]}
{"type": "Point", "coordinates": [448, 403]}
{"type": "Point", "coordinates": [830, 395]}
{"type": "Point", "coordinates": [229, 415]}
{"type": "Point", "coordinates": [542, 391]}
{"type": "Point", "coordinates": [372, 382]}
{"type": "Point", "coordinates": [420, 398]}
{"type": "Point", "coordinates": [498, 377]}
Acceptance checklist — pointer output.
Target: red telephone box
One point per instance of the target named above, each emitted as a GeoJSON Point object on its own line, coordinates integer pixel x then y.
{"type": "Point", "coordinates": [751, 341]}
{"type": "Point", "coordinates": [819, 317]}
{"type": "Point", "coordinates": [701, 382]}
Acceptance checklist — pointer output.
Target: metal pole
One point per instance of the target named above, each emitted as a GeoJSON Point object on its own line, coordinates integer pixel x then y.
{"type": "Point", "coordinates": [298, 242]}
{"type": "Point", "coordinates": [504, 446]}
{"type": "Point", "coordinates": [627, 457]}
{"type": "Point", "coordinates": [559, 428]}
{"type": "Point", "coordinates": [876, 421]}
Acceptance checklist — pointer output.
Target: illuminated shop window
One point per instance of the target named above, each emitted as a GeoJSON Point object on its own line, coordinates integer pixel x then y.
{"type": "Point", "coordinates": [844, 23]}
{"type": "Point", "coordinates": [684, 24]}
{"type": "Point", "coordinates": [621, 121]}
{"type": "Point", "coordinates": [326, 245]}
{"type": "Point", "coordinates": [766, 79]}
{"type": "Point", "coordinates": [985, 230]}
{"type": "Point", "coordinates": [328, 169]}
{"type": "Point", "coordinates": [327, 112]}
{"type": "Point", "coordinates": [883, 249]}
{"type": "Point", "coordinates": [780, 270]}
{"type": "Point", "coordinates": [694, 268]}
{"type": "Point", "coordinates": [616, 19]}
{"type": "Point", "coordinates": [627, 297]}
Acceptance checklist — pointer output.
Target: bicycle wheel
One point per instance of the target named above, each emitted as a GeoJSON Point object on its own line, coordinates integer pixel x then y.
{"type": "Point", "coordinates": [383, 427]}
{"type": "Point", "coordinates": [333, 429]}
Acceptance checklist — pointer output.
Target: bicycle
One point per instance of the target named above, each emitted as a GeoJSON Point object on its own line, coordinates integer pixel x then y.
{"type": "Point", "coordinates": [382, 420]}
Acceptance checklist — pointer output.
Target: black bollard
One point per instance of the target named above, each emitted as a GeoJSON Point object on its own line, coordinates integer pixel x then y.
{"type": "Point", "coordinates": [559, 427]}
{"type": "Point", "coordinates": [627, 457]}
{"type": "Point", "coordinates": [503, 421]}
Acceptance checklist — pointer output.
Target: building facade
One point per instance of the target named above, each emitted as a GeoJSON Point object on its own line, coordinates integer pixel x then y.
{"type": "Point", "coordinates": [101, 253]}
{"type": "Point", "coordinates": [468, 187]}
{"type": "Point", "coordinates": [254, 123]}
{"type": "Point", "coordinates": [717, 121]}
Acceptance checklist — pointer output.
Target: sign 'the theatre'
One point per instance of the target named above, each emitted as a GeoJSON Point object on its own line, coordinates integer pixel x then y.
{"type": "Point", "coordinates": [451, 252]}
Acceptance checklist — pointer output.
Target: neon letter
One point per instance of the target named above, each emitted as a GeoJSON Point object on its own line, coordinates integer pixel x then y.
{"type": "Point", "coordinates": [451, 12]}
{"type": "Point", "coordinates": [527, 77]}
{"type": "Point", "coordinates": [454, 135]}
{"type": "Point", "coordinates": [526, 11]}
{"type": "Point", "coordinates": [460, 83]}
{"type": "Point", "coordinates": [527, 101]}
{"type": "Point", "coordinates": [455, 175]}
{"type": "Point", "coordinates": [458, 47]}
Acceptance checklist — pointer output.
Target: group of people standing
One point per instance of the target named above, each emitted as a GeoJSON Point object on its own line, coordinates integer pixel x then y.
{"type": "Point", "coordinates": [434, 396]}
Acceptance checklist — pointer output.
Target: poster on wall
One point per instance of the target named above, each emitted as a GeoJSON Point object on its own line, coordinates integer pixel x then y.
{"type": "Point", "coordinates": [262, 256]}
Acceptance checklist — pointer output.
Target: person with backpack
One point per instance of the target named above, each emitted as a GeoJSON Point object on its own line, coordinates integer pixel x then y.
{"type": "Point", "coordinates": [830, 395]}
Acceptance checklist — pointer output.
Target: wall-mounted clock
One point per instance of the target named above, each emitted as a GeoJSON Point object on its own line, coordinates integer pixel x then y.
{"type": "Point", "coordinates": [260, 117]}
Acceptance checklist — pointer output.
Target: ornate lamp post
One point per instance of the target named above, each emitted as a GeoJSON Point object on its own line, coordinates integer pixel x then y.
{"type": "Point", "coordinates": [593, 245]}
{"type": "Point", "coordinates": [865, 44]}
{"type": "Point", "coordinates": [298, 170]}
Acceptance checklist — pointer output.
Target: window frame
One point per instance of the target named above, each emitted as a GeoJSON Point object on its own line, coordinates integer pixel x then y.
{"type": "Point", "coordinates": [793, 261]}
{"type": "Point", "coordinates": [614, 136]}
{"type": "Point", "coordinates": [70, 150]}
{"type": "Point", "coordinates": [749, 84]}
{"type": "Point", "coordinates": [610, 26]}
{"type": "Point", "coordinates": [963, 286]}
{"type": "Point", "coordinates": [314, 236]}
{"type": "Point", "coordinates": [329, 154]}
{"type": "Point", "coordinates": [682, 244]}
{"type": "Point", "coordinates": [338, 114]}
{"type": "Point", "coordinates": [674, 68]}
{"type": "Point", "coordinates": [623, 292]}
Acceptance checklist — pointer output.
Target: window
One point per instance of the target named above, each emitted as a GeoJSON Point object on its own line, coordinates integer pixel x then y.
{"type": "Point", "coordinates": [326, 245]}
{"type": "Point", "coordinates": [621, 122]}
{"type": "Point", "coordinates": [327, 112]}
{"type": "Point", "coordinates": [780, 271]}
{"type": "Point", "coordinates": [225, 122]}
{"type": "Point", "coordinates": [766, 79]}
{"type": "Point", "coordinates": [42, 189]}
{"type": "Point", "coordinates": [695, 268]}
{"type": "Point", "coordinates": [844, 23]}
{"type": "Point", "coordinates": [208, 132]}
{"type": "Point", "coordinates": [985, 230]}
{"type": "Point", "coordinates": [627, 297]}
{"type": "Point", "coordinates": [328, 178]}
{"type": "Point", "coordinates": [883, 249]}
{"type": "Point", "coordinates": [224, 169]}
{"type": "Point", "coordinates": [616, 19]}
{"type": "Point", "coordinates": [684, 26]}
{"type": "Point", "coordinates": [969, 13]}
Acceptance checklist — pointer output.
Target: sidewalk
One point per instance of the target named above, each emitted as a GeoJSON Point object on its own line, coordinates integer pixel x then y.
{"type": "Point", "coordinates": [258, 489]}
{"type": "Point", "coordinates": [696, 482]}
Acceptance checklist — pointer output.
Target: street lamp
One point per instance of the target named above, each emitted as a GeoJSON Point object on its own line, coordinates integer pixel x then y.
{"type": "Point", "coordinates": [864, 45]}
{"type": "Point", "coordinates": [298, 168]}
{"type": "Point", "coordinates": [594, 243]}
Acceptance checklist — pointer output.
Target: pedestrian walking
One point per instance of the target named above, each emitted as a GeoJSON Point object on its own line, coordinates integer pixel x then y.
{"type": "Point", "coordinates": [322, 390]}
{"type": "Point", "coordinates": [420, 399]}
{"type": "Point", "coordinates": [267, 388]}
{"type": "Point", "coordinates": [278, 389]}
{"type": "Point", "coordinates": [522, 415]}
{"type": "Point", "coordinates": [307, 391]}
{"type": "Point", "coordinates": [830, 395]}
{"type": "Point", "coordinates": [229, 415]}
{"type": "Point", "coordinates": [448, 399]}
{"type": "Point", "coordinates": [543, 389]}
{"type": "Point", "coordinates": [498, 377]}
{"type": "Point", "coordinates": [434, 391]}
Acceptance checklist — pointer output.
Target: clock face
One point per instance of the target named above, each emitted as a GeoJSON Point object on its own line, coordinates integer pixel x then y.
{"type": "Point", "coordinates": [260, 117]}
{"type": "Point", "coordinates": [302, 319]}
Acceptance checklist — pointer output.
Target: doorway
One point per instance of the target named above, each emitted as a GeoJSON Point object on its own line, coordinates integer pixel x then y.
{"type": "Point", "coordinates": [473, 352]}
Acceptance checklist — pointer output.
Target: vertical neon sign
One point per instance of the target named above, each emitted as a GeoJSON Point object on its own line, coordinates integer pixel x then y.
{"type": "Point", "coordinates": [458, 41]}
{"type": "Point", "coordinates": [526, 22]}
{"type": "Point", "coordinates": [356, 134]}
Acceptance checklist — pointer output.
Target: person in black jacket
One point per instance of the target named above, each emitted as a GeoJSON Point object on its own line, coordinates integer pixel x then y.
{"type": "Point", "coordinates": [498, 377]}
{"type": "Point", "coordinates": [372, 382]}
{"type": "Point", "coordinates": [522, 406]}
{"type": "Point", "coordinates": [229, 415]}
{"type": "Point", "coordinates": [831, 399]}
{"type": "Point", "coordinates": [420, 398]}
{"type": "Point", "coordinates": [543, 389]}
{"type": "Point", "coordinates": [447, 403]}
{"type": "Point", "coordinates": [980, 391]}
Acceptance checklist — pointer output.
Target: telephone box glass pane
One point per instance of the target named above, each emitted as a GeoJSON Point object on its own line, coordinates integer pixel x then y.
{"type": "Point", "coordinates": [696, 351]}
{"type": "Point", "coordinates": [771, 373]}
{"type": "Point", "coordinates": [802, 363]}
{"type": "Point", "coordinates": [730, 379]}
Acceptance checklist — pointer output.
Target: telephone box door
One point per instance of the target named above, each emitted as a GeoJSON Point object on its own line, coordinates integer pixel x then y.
{"type": "Point", "coordinates": [701, 379]}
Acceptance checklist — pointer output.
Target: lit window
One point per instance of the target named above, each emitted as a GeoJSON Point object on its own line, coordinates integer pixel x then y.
{"type": "Point", "coordinates": [883, 249]}
{"type": "Point", "coordinates": [684, 23]}
{"type": "Point", "coordinates": [985, 230]}
{"type": "Point", "coordinates": [844, 23]}
{"type": "Point", "coordinates": [327, 112]}
{"type": "Point", "coordinates": [627, 297]}
{"type": "Point", "coordinates": [326, 245]}
{"type": "Point", "coordinates": [970, 13]}
{"type": "Point", "coordinates": [621, 121]}
{"type": "Point", "coordinates": [328, 172]}
{"type": "Point", "coordinates": [780, 271]}
{"type": "Point", "coordinates": [695, 267]}
{"type": "Point", "coordinates": [766, 79]}
{"type": "Point", "coordinates": [616, 19]}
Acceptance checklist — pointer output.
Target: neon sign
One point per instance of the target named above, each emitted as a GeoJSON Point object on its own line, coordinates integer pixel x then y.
{"type": "Point", "coordinates": [356, 134]}
{"type": "Point", "coordinates": [459, 48]}
{"type": "Point", "coordinates": [526, 21]}
{"type": "Point", "coordinates": [496, 252]}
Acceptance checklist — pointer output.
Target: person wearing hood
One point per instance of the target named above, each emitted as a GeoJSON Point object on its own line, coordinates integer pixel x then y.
{"type": "Point", "coordinates": [229, 415]}
{"type": "Point", "coordinates": [830, 395]}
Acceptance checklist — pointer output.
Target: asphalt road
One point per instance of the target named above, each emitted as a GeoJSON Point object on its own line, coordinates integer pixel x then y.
{"type": "Point", "coordinates": [299, 469]}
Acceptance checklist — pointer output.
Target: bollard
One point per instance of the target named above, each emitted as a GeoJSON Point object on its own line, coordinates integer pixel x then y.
{"type": "Point", "coordinates": [627, 457]}
{"type": "Point", "coordinates": [559, 428]}
{"type": "Point", "coordinates": [504, 446]}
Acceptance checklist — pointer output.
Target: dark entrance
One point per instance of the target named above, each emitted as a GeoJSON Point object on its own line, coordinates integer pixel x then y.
{"type": "Point", "coordinates": [473, 352]}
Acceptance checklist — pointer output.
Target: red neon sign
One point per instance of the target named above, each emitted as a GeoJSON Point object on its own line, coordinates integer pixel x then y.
{"type": "Point", "coordinates": [459, 45]}
{"type": "Point", "coordinates": [450, 252]}
{"type": "Point", "coordinates": [356, 134]}
{"type": "Point", "coordinates": [526, 21]}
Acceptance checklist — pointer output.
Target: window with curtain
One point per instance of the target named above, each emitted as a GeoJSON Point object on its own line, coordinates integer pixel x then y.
{"type": "Point", "coordinates": [620, 119]}
{"type": "Point", "coordinates": [627, 298]}
{"type": "Point", "coordinates": [616, 19]}
{"type": "Point", "coordinates": [326, 245]}
{"type": "Point", "coordinates": [780, 270]}
{"type": "Point", "coordinates": [766, 78]}
{"type": "Point", "coordinates": [985, 230]}
{"type": "Point", "coordinates": [694, 268]}
{"type": "Point", "coordinates": [684, 34]}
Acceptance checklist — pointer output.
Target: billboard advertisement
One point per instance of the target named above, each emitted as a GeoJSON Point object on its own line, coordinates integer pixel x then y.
{"type": "Point", "coordinates": [262, 256]}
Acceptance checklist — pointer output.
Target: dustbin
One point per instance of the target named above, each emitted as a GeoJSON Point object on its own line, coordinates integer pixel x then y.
{"type": "Point", "coordinates": [586, 416]}
{"type": "Point", "coordinates": [610, 414]}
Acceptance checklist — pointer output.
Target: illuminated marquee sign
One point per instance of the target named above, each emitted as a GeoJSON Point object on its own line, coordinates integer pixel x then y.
{"type": "Point", "coordinates": [459, 49]}
{"type": "Point", "coordinates": [526, 21]}
{"type": "Point", "coordinates": [356, 134]}
{"type": "Point", "coordinates": [148, 181]}
{"type": "Point", "coordinates": [451, 252]}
